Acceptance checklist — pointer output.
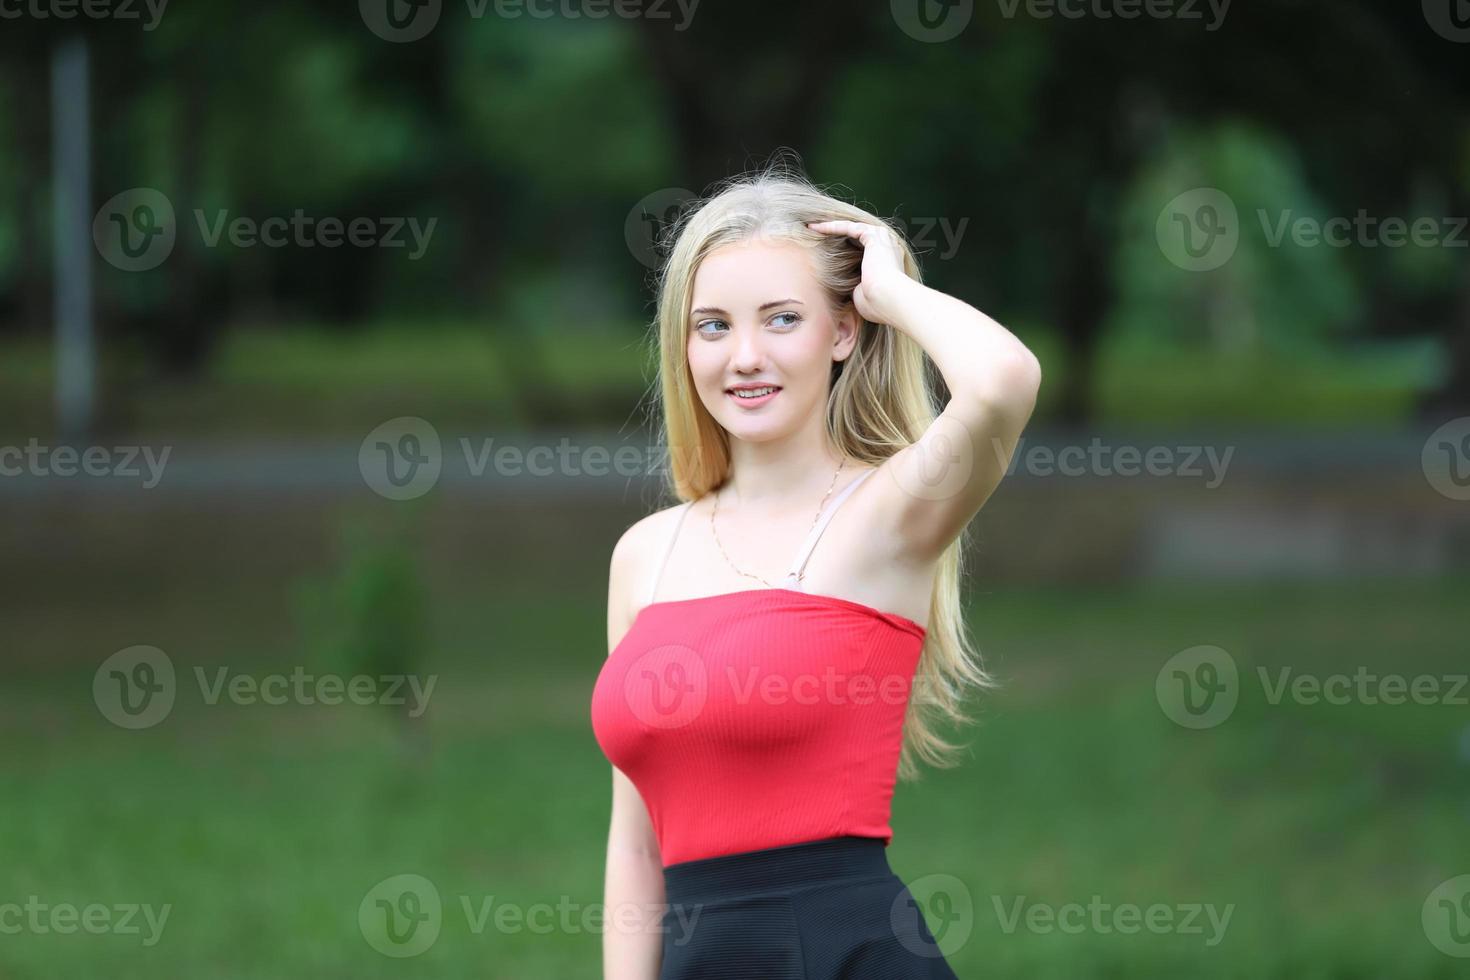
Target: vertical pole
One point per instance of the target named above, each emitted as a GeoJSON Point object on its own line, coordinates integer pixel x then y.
{"type": "Point", "coordinates": [72, 256]}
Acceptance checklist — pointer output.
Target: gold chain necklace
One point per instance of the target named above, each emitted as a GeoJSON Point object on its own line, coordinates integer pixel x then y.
{"type": "Point", "coordinates": [716, 507]}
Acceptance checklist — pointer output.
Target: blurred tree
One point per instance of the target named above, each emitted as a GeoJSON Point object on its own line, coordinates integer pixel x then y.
{"type": "Point", "coordinates": [1265, 297]}
{"type": "Point", "coordinates": [25, 218]}
{"type": "Point", "coordinates": [529, 139]}
{"type": "Point", "coordinates": [744, 79]}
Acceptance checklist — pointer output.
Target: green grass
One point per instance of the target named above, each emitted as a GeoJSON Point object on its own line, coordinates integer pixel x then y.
{"type": "Point", "coordinates": [304, 379]}
{"type": "Point", "coordinates": [264, 827]}
{"type": "Point", "coordinates": [1375, 385]}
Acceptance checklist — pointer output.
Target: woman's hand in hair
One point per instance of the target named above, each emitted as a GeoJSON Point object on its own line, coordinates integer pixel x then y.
{"type": "Point", "coordinates": [992, 380]}
{"type": "Point", "coordinates": [878, 296]}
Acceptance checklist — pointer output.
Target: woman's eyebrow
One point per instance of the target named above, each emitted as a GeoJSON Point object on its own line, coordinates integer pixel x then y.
{"type": "Point", "coordinates": [760, 309]}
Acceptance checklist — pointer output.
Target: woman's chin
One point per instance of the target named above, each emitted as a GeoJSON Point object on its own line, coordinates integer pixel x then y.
{"type": "Point", "coordinates": [753, 429]}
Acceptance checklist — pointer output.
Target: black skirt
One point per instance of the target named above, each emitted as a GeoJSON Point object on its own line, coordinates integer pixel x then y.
{"type": "Point", "coordinates": [822, 910]}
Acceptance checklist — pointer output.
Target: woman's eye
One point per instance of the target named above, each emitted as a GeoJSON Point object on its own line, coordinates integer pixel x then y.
{"type": "Point", "coordinates": [784, 320]}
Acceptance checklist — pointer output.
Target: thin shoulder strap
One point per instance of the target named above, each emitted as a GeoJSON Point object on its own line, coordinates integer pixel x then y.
{"type": "Point", "coordinates": [669, 549]}
{"type": "Point", "coordinates": [793, 577]}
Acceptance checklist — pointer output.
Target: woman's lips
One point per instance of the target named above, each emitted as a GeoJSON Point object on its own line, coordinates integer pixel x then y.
{"type": "Point", "coordinates": [751, 402]}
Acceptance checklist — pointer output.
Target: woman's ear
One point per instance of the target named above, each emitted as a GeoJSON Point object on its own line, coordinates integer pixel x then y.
{"type": "Point", "coordinates": [847, 324]}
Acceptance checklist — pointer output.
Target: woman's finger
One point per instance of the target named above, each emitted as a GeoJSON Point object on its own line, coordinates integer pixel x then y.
{"type": "Point", "coordinates": [856, 228]}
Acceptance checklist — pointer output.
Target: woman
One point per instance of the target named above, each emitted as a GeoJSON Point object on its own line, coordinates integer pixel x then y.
{"type": "Point", "coordinates": [756, 723]}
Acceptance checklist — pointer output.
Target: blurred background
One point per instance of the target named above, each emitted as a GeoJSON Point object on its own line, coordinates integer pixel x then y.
{"type": "Point", "coordinates": [325, 394]}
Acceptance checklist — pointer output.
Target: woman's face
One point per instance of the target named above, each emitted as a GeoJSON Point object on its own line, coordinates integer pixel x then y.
{"type": "Point", "coordinates": [760, 318]}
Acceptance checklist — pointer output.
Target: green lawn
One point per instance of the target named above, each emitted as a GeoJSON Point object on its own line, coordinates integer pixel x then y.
{"type": "Point", "coordinates": [1323, 828]}
{"type": "Point", "coordinates": [305, 380]}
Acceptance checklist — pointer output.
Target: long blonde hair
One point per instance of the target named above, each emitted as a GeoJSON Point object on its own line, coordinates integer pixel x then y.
{"type": "Point", "coordinates": [880, 402]}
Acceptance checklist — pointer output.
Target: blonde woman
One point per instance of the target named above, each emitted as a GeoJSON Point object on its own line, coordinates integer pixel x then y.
{"type": "Point", "coordinates": [762, 694]}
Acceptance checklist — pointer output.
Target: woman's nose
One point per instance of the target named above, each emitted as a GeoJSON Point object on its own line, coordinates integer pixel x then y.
{"type": "Point", "coordinates": [749, 348]}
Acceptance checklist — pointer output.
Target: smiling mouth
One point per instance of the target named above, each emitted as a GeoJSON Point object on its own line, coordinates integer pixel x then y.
{"type": "Point", "coordinates": [757, 394]}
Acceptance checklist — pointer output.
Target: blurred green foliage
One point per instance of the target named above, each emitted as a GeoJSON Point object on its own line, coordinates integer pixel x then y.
{"type": "Point", "coordinates": [1047, 147]}
{"type": "Point", "coordinates": [369, 615]}
{"type": "Point", "coordinates": [1264, 300]}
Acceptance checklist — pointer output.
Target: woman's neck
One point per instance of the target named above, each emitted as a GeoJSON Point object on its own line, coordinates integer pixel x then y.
{"type": "Point", "coordinates": [773, 478]}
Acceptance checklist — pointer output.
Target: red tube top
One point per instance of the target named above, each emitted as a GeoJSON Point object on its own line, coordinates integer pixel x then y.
{"type": "Point", "coordinates": [758, 718]}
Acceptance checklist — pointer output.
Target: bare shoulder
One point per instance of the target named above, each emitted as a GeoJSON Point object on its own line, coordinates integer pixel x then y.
{"type": "Point", "coordinates": [635, 547]}
{"type": "Point", "coordinates": [631, 564]}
